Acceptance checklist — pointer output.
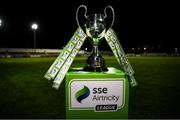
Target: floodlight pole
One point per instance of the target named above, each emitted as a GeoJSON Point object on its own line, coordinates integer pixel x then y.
{"type": "Point", "coordinates": [34, 28]}
{"type": "Point", "coordinates": [0, 22]}
{"type": "Point", "coordinates": [34, 41]}
{"type": "Point", "coordinates": [176, 50]}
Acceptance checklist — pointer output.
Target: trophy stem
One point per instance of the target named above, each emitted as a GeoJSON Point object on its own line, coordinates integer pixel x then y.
{"type": "Point", "coordinates": [95, 50]}
{"type": "Point", "coordinates": [95, 61]}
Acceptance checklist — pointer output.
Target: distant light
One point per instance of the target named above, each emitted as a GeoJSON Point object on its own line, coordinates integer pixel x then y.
{"type": "Point", "coordinates": [144, 48]}
{"type": "Point", "coordinates": [34, 26]}
{"type": "Point", "coordinates": [86, 49]}
{"type": "Point", "coordinates": [176, 50]}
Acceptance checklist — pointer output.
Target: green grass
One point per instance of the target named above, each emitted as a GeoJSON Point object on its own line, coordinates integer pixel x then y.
{"type": "Point", "coordinates": [26, 94]}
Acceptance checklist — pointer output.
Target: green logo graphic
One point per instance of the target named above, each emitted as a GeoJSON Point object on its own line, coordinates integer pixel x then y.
{"type": "Point", "coordinates": [82, 94]}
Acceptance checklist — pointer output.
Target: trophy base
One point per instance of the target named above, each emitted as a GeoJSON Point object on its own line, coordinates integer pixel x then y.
{"type": "Point", "coordinates": [95, 64]}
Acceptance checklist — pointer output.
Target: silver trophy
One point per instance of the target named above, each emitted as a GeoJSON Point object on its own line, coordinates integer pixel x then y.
{"type": "Point", "coordinates": [95, 28]}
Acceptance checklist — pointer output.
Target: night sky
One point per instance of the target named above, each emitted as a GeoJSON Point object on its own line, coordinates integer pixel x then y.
{"type": "Point", "coordinates": [137, 24]}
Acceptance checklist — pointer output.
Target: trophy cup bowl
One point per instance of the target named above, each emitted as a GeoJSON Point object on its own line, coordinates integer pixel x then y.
{"type": "Point", "coordinates": [95, 29]}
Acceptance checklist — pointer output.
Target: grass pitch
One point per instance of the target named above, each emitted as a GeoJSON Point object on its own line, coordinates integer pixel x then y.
{"type": "Point", "coordinates": [26, 94]}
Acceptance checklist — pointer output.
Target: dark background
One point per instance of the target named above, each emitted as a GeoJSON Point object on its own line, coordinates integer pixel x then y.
{"type": "Point", "coordinates": [151, 24]}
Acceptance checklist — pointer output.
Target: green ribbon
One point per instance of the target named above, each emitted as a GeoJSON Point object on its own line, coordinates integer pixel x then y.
{"type": "Point", "coordinates": [118, 51]}
{"type": "Point", "coordinates": [61, 65]}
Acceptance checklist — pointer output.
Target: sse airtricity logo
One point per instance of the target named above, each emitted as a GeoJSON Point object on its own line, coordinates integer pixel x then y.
{"type": "Point", "coordinates": [99, 95]}
{"type": "Point", "coordinates": [82, 94]}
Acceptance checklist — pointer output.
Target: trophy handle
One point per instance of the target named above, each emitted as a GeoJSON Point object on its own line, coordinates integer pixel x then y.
{"type": "Point", "coordinates": [105, 15]}
{"type": "Point", "coordinates": [77, 11]}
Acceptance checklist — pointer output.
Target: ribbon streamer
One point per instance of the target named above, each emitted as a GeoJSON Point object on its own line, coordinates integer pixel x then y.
{"type": "Point", "coordinates": [118, 51]}
{"type": "Point", "coordinates": [63, 62]}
